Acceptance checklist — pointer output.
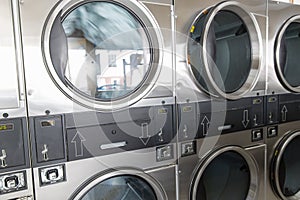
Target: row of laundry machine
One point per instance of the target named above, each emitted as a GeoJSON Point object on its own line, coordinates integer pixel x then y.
{"type": "Point", "coordinates": [149, 100]}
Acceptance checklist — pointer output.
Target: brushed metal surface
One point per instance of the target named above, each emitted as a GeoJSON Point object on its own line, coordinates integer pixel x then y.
{"type": "Point", "coordinates": [9, 81]}
{"type": "Point", "coordinates": [140, 162]}
{"type": "Point", "coordinates": [255, 151]}
{"type": "Point", "coordinates": [23, 193]}
{"type": "Point", "coordinates": [272, 144]}
{"type": "Point", "coordinates": [278, 13]}
{"type": "Point", "coordinates": [186, 12]}
{"type": "Point", "coordinates": [44, 93]}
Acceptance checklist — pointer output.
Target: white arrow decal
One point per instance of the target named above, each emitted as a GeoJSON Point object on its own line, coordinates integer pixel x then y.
{"type": "Point", "coordinates": [78, 140]}
{"type": "Point", "coordinates": [284, 111]}
{"type": "Point", "coordinates": [205, 125]}
{"type": "Point", "coordinates": [245, 118]}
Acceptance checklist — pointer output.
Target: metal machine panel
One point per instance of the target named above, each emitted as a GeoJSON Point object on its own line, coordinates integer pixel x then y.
{"type": "Point", "coordinates": [12, 144]}
{"type": "Point", "coordinates": [49, 138]}
{"type": "Point", "coordinates": [128, 130]}
{"type": "Point", "coordinates": [9, 85]}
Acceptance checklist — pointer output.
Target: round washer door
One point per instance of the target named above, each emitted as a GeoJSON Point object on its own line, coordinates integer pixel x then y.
{"type": "Point", "coordinates": [224, 50]}
{"type": "Point", "coordinates": [102, 54]}
{"type": "Point", "coordinates": [285, 176]}
{"type": "Point", "coordinates": [287, 54]}
{"type": "Point", "coordinates": [125, 185]}
{"type": "Point", "coordinates": [228, 174]}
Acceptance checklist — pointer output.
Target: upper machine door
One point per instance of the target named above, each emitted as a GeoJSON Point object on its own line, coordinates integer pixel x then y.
{"type": "Point", "coordinates": [285, 167]}
{"type": "Point", "coordinates": [286, 54]}
{"type": "Point", "coordinates": [224, 50]}
{"type": "Point", "coordinates": [102, 54]}
{"type": "Point", "coordinates": [228, 174]}
{"type": "Point", "coordinates": [126, 185]}
{"type": "Point", "coordinates": [9, 84]}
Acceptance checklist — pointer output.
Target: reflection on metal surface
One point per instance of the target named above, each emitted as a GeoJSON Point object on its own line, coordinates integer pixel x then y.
{"type": "Point", "coordinates": [286, 58]}
{"type": "Point", "coordinates": [9, 81]}
{"type": "Point", "coordinates": [217, 36]}
{"type": "Point", "coordinates": [102, 54]}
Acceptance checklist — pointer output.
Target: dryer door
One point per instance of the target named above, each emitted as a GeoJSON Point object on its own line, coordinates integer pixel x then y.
{"type": "Point", "coordinates": [9, 85]}
{"type": "Point", "coordinates": [228, 174]}
{"type": "Point", "coordinates": [285, 166]}
{"type": "Point", "coordinates": [224, 50]}
{"type": "Point", "coordinates": [287, 57]}
{"type": "Point", "coordinates": [125, 185]}
{"type": "Point", "coordinates": [102, 54]}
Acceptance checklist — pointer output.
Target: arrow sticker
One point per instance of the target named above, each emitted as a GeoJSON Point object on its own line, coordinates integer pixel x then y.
{"type": "Point", "coordinates": [205, 125]}
{"type": "Point", "coordinates": [245, 118]}
{"type": "Point", "coordinates": [145, 134]}
{"type": "Point", "coordinates": [78, 140]}
{"type": "Point", "coordinates": [284, 111]}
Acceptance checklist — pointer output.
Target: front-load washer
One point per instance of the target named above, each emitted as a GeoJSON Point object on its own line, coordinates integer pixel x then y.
{"type": "Point", "coordinates": [85, 59]}
{"type": "Point", "coordinates": [103, 160]}
{"type": "Point", "coordinates": [96, 55]}
{"type": "Point", "coordinates": [224, 160]}
{"type": "Point", "coordinates": [15, 171]}
{"type": "Point", "coordinates": [282, 141]}
{"type": "Point", "coordinates": [284, 40]}
{"type": "Point", "coordinates": [220, 49]}
{"type": "Point", "coordinates": [283, 161]}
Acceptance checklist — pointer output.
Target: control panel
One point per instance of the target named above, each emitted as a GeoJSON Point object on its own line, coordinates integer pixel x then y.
{"type": "Point", "coordinates": [187, 116]}
{"type": "Point", "coordinates": [238, 115]}
{"type": "Point", "coordinates": [13, 144]}
{"type": "Point", "coordinates": [282, 108]}
{"type": "Point", "coordinates": [126, 130]}
{"type": "Point", "coordinates": [48, 140]}
{"type": "Point", "coordinates": [12, 182]}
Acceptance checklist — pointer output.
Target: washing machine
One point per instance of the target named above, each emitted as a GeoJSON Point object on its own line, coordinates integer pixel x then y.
{"type": "Point", "coordinates": [220, 49]}
{"type": "Point", "coordinates": [106, 158]}
{"type": "Point", "coordinates": [96, 55]}
{"type": "Point", "coordinates": [15, 171]}
{"type": "Point", "coordinates": [281, 139]}
{"type": "Point", "coordinates": [224, 160]}
{"type": "Point", "coordinates": [108, 66]}
{"type": "Point", "coordinates": [283, 43]}
{"type": "Point", "coordinates": [282, 161]}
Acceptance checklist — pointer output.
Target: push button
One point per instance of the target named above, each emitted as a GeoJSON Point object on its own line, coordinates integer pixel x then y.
{"type": "Point", "coordinates": [272, 132]}
{"type": "Point", "coordinates": [257, 135]}
{"type": "Point", "coordinates": [188, 148]}
{"type": "Point", "coordinates": [164, 153]}
{"type": "Point", "coordinates": [52, 174]}
{"type": "Point", "coordinates": [11, 182]}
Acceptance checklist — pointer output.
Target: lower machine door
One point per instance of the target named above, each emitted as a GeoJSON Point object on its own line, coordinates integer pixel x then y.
{"type": "Point", "coordinates": [121, 185]}
{"type": "Point", "coordinates": [228, 174]}
{"type": "Point", "coordinates": [285, 176]}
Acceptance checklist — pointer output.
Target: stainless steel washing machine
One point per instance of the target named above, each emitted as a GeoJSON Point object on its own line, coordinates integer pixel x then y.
{"type": "Point", "coordinates": [220, 49]}
{"type": "Point", "coordinates": [15, 171]}
{"type": "Point", "coordinates": [284, 30]}
{"type": "Point", "coordinates": [96, 55]}
{"type": "Point", "coordinates": [282, 141]}
{"type": "Point", "coordinates": [221, 163]}
{"type": "Point", "coordinates": [108, 66]}
{"type": "Point", "coordinates": [283, 161]}
{"type": "Point", "coordinates": [101, 158]}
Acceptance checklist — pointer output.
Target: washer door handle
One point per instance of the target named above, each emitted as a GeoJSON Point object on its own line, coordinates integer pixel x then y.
{"type": "Point", "coordinates": [113, 145]}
